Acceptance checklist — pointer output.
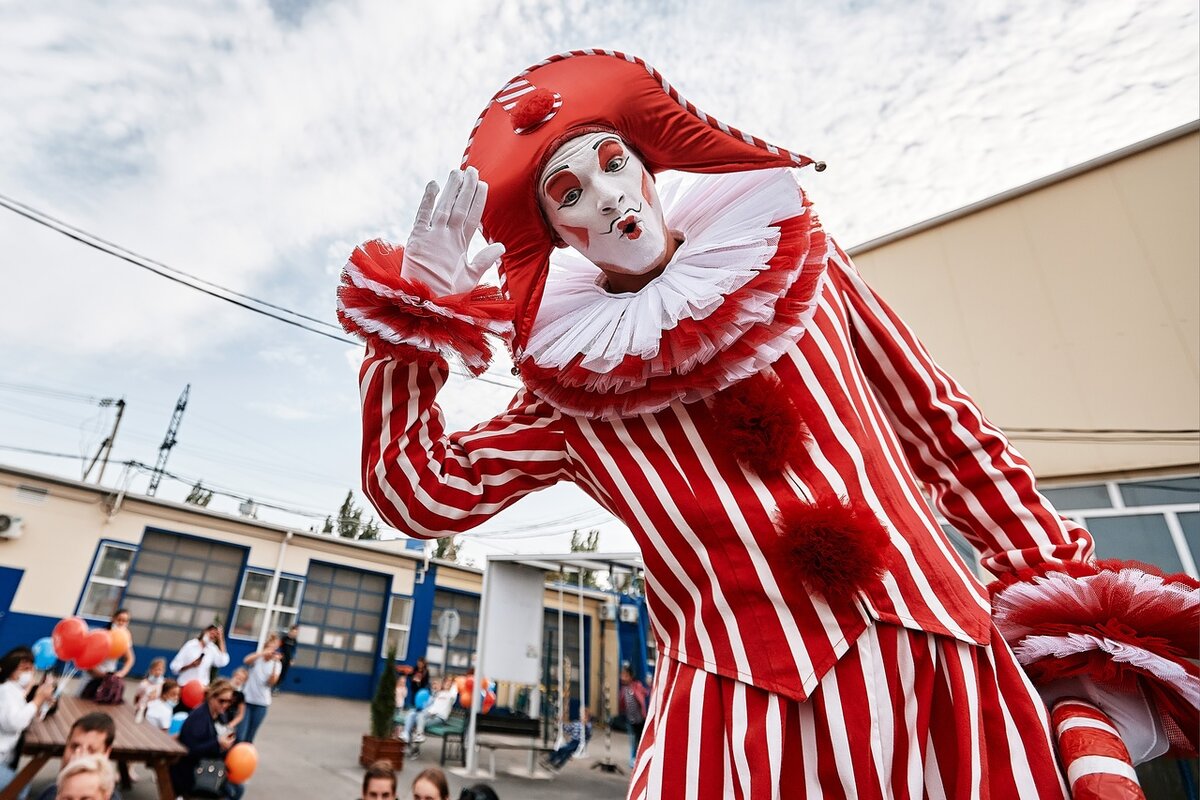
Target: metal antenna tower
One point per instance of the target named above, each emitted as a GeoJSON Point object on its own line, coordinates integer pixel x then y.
{"type": "Point", "coordinates": [164, 449]}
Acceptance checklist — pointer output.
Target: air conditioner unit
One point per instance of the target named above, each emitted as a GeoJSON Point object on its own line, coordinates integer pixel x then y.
{"type": "Point", "coordinates": [10, 526]}
{"type": "Point", "coordinates": [608, 611]}
{"type": "Point", "coordinates": [629, 613]}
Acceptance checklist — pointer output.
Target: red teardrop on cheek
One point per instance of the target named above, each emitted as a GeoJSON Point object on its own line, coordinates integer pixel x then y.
{"type": "Point", "coordinates": [579, 233]}
{"type": "Point", "coordinates": [647, 183]}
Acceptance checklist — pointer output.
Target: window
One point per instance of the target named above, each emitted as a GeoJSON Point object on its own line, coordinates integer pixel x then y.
{"type": "Point", "coordinates": [252, 604]}
{"type": "Point", "coordinates": [398, 623]}
{"type": "Point", "coordinates": [106, 584]}
{"type": "Point", "coordinates": [340, 619]}
{"type": "Point", "coordinates": [178, 586]}
{"type": "Point", "coordinates": [459, 653]}
{"type": "Point", "coordinates": [1154, 520]}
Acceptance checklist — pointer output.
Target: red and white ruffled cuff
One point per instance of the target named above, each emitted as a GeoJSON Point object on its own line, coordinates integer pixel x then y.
{"type": "Point", "coordinates": [1124, 625]}
{"type": "Point", "coordinates": [403, 318]}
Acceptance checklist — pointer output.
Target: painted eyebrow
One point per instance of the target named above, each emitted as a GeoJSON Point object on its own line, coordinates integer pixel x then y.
{"type": "Point", "coordinates": [596, 146]}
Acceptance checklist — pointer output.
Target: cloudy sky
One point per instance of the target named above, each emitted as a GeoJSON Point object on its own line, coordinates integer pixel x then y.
{"type": "Point", "coordinates": [255, 142]}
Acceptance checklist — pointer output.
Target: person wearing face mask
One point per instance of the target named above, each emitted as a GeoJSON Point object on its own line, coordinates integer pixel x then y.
{"type": "Point", "coordinates": [712, 369]}
{"type": "Point", "coordinates": [198, 656]}
{"type": "Point", "coordinates": [16, 712]}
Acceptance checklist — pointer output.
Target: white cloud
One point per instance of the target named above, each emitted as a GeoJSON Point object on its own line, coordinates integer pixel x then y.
{"type": "Point", "coordinates": [255, 143]}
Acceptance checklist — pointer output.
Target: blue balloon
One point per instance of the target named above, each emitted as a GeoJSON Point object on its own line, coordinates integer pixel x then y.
{"type": "Point", "coordinates": [422, 698]}
{"type": "Point", "coordinates": [43, 653]}
{"type": "Point", "coordinates": [177, 721]}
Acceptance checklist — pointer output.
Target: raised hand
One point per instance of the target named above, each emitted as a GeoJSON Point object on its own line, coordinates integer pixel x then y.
{"type": "Point", "coordinates": [436, 252]}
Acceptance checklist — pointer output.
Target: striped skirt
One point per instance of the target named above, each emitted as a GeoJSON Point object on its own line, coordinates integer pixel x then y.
{"type": "Point", "coordinates": [904, 714]}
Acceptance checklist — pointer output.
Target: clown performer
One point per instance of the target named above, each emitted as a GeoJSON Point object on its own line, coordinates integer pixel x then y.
{"type": "Point", "coordinates": [709, 366]}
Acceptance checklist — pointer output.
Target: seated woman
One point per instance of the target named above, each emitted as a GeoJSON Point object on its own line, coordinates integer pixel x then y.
{"type": "Point", "coordinates": [87, 778]}
{"type": "Point", "coordinates": [201, 737]}
{"type": "Point", "coordinates": [16, 676]}
{"type": "Point", "coordinates": [437, 706]}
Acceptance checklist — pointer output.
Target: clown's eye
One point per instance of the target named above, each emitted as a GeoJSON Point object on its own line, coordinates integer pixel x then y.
{"type": "Point", "coordinates": [570, 198]}
{"type": "Point", "coordinates": [614, 164]}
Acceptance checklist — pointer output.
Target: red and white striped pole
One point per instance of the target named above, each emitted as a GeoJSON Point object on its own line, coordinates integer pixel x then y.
{"type": "Point", "coordinates": [1097, 763]}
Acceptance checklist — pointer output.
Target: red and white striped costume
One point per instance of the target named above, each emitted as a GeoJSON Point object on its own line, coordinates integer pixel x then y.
{"type": "Point", "coordinates": [899, 686]}
{"type": "Point", "coordinates": [884, 419]}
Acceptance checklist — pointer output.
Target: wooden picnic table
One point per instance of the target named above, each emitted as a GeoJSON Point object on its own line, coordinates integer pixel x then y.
{"type": "Point", "coordinates": [136, 742]}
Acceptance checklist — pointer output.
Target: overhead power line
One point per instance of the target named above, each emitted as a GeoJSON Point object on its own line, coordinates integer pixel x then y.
{"type": "Point", "coordinates": [183, 278]}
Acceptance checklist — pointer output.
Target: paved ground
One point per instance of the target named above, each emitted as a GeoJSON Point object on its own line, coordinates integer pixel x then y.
{"type": "Point", "coordinates": [308, 749]}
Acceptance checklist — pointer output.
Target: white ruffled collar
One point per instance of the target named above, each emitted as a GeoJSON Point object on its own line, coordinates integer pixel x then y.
{"type": "Point", "coordinates": [725, 221]}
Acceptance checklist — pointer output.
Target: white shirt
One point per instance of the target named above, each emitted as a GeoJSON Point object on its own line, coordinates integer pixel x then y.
{"type": "Point", "coordinates": [192, 649]}
{"type": "Point", "coordinates": [15, 716]}
{"type": "Point", "coordinates": [443, 703]}
{"type": "Point", "coordinates": [258, 688]}
{"type": "Point", "coordinates": [159, 713]}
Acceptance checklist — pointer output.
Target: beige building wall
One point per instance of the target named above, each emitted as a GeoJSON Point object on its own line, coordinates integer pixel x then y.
{"type": "Point", "coordinates": [1071, 303]}
{"type": "Point", "coordinates": [62, 529]}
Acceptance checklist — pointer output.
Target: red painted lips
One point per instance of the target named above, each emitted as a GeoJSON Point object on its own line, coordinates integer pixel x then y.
{"type": "Point", "coordinates": [630, 227]}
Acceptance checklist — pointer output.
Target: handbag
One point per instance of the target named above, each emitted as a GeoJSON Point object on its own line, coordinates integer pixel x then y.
{"type": "Point", "coordinates": [111, 690]}
{"type": "Point", "coordinates": [209, 778]}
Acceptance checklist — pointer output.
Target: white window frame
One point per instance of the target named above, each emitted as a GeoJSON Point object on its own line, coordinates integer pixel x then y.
{"type": "Point", "coordinates": [275, 608]}
{"type": "Point", "coordinates": [99, 579]}
{"type": "Point", "coordinates": [389, 626]}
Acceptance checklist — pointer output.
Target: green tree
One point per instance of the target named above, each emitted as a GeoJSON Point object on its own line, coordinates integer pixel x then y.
{"type": "Point", "coordinates": [199, 496]}
{"type": "Point", "coordinates": [383, 704]}
{"type": "Point", "coordinates": [446, 548]}
{"type": "Point", "coordinates": [349, 523]}
{"type": "Point", "coordinates": [587, 542]}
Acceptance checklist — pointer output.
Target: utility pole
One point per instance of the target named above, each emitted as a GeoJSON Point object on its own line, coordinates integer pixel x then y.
{"type": "Point", "coordinates": [107, 445]}
{"type": "Point", "coordinates": [164, 449]}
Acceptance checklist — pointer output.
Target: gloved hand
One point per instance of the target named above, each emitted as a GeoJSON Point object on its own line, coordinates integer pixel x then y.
{"type": "Point", "coordinates": [436, 252]}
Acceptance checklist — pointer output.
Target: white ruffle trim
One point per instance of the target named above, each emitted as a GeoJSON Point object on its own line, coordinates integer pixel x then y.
{"type": "Point", "coordinates": [728, 238]}
{"type": "Point", "coordinates": [1035, 648]}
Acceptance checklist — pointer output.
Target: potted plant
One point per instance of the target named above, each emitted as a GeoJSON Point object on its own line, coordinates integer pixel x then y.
{"type": "Point", "coordinates": [380, 744]}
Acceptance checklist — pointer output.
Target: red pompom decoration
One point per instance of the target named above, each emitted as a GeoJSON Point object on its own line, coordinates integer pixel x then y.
{"type": "Point", "coordinates": [834, 545]}
{"type": "Point", "coordinates": [757, 422]}
{"type": "Point", "coordinates": [532, 109]}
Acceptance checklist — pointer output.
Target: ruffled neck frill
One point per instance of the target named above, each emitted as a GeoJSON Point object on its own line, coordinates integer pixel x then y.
{"type": "Point", "coordinates": [738, 292]}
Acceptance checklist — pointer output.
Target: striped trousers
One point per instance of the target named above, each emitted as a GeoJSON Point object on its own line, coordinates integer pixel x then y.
{"type": "Point", "coordinates": [904, 714]}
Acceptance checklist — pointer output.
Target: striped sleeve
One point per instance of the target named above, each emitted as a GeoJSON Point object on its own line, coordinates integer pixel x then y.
{"type": "Point", "coordinates": [977, 479]}
{"type": "Point", "coordinates": [431, 483]}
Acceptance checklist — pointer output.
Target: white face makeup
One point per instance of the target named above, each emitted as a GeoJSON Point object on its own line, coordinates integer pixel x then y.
{"type": "Point", "coordinates": [601, 200]}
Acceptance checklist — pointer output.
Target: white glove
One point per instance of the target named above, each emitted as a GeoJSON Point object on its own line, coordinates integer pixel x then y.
{"type": "Point", "coordinates": [436, 253]}
{"type": "Point", "coordinates": [1134, 717]}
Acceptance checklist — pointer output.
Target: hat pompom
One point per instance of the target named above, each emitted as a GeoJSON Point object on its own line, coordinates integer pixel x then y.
{"type": "Point", "coordinates": [834, 545]}
{"type": "Point", "coordinates": [531, 109]}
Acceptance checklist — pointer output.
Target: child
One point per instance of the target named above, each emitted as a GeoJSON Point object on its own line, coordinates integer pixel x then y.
{"type": "Point", "coordinates": [151, 686]}
{"type": "Point", "coordinates": [159, 710]}
{"type": "Point", "coordinates": [575, 733]}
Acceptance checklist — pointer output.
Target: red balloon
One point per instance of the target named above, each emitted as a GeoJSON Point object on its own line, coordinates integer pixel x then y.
{"type": "Point", "coordinates": [489, 700]}
{"type": "Point", "coordinates": [192, 693]}
{"type": "Point", "coordinates": [240, 762]}
{"type": "Point", "coordinates": [94, 650]}
{"type": "Point", "coordinates": [68, 637]}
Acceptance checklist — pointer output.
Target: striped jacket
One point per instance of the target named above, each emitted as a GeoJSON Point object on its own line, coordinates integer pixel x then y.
{"type": "Point", "coordinates": [885, 421]}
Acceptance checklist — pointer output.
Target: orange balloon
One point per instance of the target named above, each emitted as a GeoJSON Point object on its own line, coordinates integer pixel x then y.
{"type": "Point", "coordinates": [119, 642]}
{"type": "Point", "coordinates": [489, 701]}
{"type": "Point", "coordinates": [93, 650]}
{"type": "Point", "coordinates": [240, 762]}
{"type": "Point", "coordinates": [192, 693]}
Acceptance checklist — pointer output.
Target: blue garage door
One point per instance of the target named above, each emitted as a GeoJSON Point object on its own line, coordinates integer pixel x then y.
{"type": "Point", "coordinates": [340, 619]}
